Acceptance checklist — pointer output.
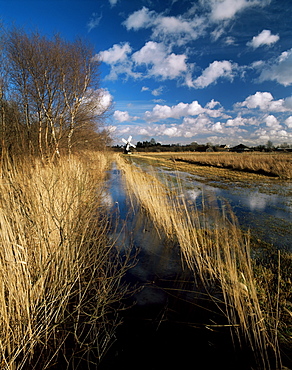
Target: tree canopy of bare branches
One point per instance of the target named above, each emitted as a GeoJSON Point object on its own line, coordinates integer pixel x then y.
{"type": "Point", "coordinates": [55, 84]}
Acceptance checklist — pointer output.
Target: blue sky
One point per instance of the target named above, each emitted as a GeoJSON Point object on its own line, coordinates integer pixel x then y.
{"type": "Point", "coordinates": [180, 71]}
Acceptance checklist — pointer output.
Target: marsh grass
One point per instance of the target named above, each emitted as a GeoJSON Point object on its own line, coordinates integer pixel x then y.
{"type": "Point", "coordinates": [59, 276]}
{"type": "Point", "coordinates": [218, 254]}
{"type": "Point", "coordinates": [270, 164]}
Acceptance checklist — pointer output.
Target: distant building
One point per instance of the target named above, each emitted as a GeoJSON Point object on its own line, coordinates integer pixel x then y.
{"type": "Point", "coordinates": [223, 148]}
{"type": "Point", "coordinates": [240, 148]}
{"type": "Point", "coordinates": [284, 149]}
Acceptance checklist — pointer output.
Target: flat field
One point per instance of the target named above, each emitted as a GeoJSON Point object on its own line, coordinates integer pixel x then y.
{"type": "Point", "coordinates": [228, 165]}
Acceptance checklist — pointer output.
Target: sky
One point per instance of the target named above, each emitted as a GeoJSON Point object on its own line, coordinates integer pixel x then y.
{"type": "Point", "coordinates": [180, 71]}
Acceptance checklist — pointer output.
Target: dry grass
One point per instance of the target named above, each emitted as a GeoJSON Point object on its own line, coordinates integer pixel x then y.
{"type": "Point", "coordinates": [219, 256]}
{"type": "Point", "coordinates": [59, 277]}
{"type": "Point", "coordinates": [270, 164]}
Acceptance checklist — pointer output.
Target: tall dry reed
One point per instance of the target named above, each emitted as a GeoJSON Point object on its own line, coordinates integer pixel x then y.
{"type": "Point", "coordinates": [59, 276]}
{"type": "Point", "coordinates": [217, 253]}
{"type": "Point", "coordinates": [270, 164]}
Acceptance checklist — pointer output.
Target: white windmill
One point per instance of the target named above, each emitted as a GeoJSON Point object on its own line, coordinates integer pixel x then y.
{"type": "Point", "coordinates": [128, 144]}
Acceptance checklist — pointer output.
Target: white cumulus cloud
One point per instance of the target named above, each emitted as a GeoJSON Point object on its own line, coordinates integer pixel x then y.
{"type": "Point", "coordinates": [121, 116]}
{"type": "Point", "coordinates": [160, 63]}
{"type": "Point", "coordinates": [118, 57]}
{"type": "Point", "coordinates": [240, 121]}
{"type": "Point", "coordinates": [279, 70]}
{"type": "Point", "coordinates": [115, 54]}
{"type": "Point", "coordinates": [162, 112]}
{"type": "Point", "coordinates": [288, 122]}
{"type": "Point", "coordinates": [271, 121]}
{"type": "Point", "coordinates": [263, 38]}
{"type": "Point", "coordinates": [260, 100]}
{"type": "Point", "coordinates": [226, 9]}
{"type": "Point", "coordinates": [265, 102]}
{"type": "Point", "coordinates": [217, 69]}
{"type": "Point", "coordinates": [171, 131]}
{"type": "Point", "coordinates": [176, 30]}
{"type": "Point", "coordinates": [124, 116]}
{"type": "Point", "coordinates": [142, 18]}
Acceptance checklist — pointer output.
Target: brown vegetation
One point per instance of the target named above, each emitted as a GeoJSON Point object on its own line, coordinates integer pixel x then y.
{"type": "Point", "coordinates": [50, 97]}
{"type": "Point", "coordinates": [269, 164]}
{"type": "Point", "coordinates": [60, 276]}
{"type": "Point", "coordinates": [218, 254]}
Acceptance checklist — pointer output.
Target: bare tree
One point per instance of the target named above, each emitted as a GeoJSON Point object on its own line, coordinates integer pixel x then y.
{"type": "Point", "coordinates": [58, 86]}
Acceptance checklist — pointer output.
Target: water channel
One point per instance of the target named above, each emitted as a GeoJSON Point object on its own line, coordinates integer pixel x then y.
{"type": "Point", "coordinates": [263, 206]}
{"type": "Point", "coordinates": [163, 330]}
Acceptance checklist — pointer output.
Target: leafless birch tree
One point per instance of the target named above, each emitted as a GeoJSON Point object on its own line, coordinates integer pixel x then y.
{"type": "Point", "coordinates": [58, 88]}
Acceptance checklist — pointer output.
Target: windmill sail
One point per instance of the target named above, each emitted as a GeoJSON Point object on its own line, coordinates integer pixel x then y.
{"type": "Point", "coordinates": [128, 144]}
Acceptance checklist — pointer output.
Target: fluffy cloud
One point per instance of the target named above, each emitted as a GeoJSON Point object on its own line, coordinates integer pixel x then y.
{"type": "Point", "coordinates": [124, 116]}
{"type": "Point", "coordinates": [115, 54]}
{"type": "Point", "coordinates": [260, 100]}
{"type": "Point", "coordinates": [178, 30]}
{"type": "Point", "coordinates": [226, 9]}
{"type": "Point", "coordinates": [279, 70]}
{"type": "Point", "coordinates": [105, 98]}
{"type": "Point", "coordinates": [119, 59]}
{"type": "Point", "coordinates": [217, 69]}
{"type": "Point", "coordinates": [240, 121]}
{"type": "Point", "coordinates": [172, 132]}
{"type": "Point", "coordinates": [265, 102]}
{"type": "Point", "coordinates": [212, 104]}
{"type": "Point", "coordinates": [166, 27]}
{"type": "Point", "coordinates": [191, 25]}
{"type": "Point", "coordinates": [263, 38]}
{"type": "Point", "coordinates": [160, 62]}
{"type": "Point", "coordinates": [288, 103]}
{"type": "Point", "coordinates": [271, 121]}
{"type": "Point", "coordinates": [100, 100]}
{"type": "Point", "coordinates": [162, 112]}
{"type": "Point", "coordinates": [288, 122]}
{"type": "Point", "coordinates": [140, 19]}
{"type": "Point", "coordinates": [217, 127]}
{"type": "Point", "coordinates": [121, 116]}
{"type": "Point", "coordinates": [155, 57]}
{"type": "Point", "coordinates": [189, 122]}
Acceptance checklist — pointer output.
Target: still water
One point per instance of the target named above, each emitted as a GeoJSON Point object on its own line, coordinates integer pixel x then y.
{"type": "Point", "coordinates": [267, 214]}
{"type": "Point", "coordinates": [264, 207]}
{"type": "Point", "coordinates": [164, 328]}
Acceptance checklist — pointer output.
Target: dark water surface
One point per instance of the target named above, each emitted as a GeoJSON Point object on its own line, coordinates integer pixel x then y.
{"type": "Point", "coordinates": [167, 324]}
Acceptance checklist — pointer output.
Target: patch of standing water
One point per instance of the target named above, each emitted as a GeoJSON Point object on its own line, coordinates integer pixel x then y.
{"type": "Point", "coordinates": [157, 332]}
{"type": "Point", "coordinates": [132, 230]}
{"type": "Point", "coordinates": [263, 208]}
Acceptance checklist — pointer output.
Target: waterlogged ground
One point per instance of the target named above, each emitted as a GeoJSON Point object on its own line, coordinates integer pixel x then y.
{"type": "Point", "coordinates": [162, 327]}
{"type": "Point", "coordinates": [167, 325]}
{"type": "Point", "coordinates": [261, 204]}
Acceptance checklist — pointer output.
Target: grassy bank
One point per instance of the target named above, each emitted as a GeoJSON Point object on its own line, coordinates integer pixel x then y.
{"type": "Point", "coordinates": [252, 294]}
{"type": "Point", "coordinates": [59, 276]}
{"type": "Point", "coordinates": [267, 164]}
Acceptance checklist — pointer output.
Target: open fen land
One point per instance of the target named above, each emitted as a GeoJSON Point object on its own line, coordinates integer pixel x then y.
{"type": "Point", "coordinates": [69, 256]}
